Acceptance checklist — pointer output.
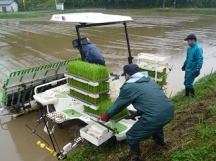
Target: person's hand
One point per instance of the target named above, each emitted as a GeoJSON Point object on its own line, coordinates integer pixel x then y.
{"type": "Point", "coordinates": [105, 118]}
{"type": "Point", "coordinates": [197, 73]}
{"type": "Point", "coordinates": [131, 115]}
{"type": "Point", "coordinates": [183, 67]}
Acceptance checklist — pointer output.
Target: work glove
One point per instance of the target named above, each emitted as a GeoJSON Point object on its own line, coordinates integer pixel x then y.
{"type": "Point", "coordinates": [131, 115]}
{"type": "Point", "coordinates": [197, 72]}
{"type": "Point", "coordinates": [105, 118]}
{"type": "Point", "coordinates": [183, 67]}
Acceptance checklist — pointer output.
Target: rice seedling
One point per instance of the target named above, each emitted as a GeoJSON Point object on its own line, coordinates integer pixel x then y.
{"type": "Point", "coordinates": [88, 99]}
{"type": "Point", "coordinates": [93, 72]}
{"type": "Point", "coordinates": [103, 107]}
{"type": "Point", "coordinates": [103, 86]}
{"type": "Point", "coordinates": [160, 75]}
{"type": "Point", "coordinates": [152, 73]}
{"type": "Point", "coordinates": [78, 57]}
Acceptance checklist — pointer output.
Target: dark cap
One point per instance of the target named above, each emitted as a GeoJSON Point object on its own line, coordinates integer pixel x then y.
{"type": "Point", "coordinates": [190, 37]}
{"type": "Point", "coordinates": [131, 69]}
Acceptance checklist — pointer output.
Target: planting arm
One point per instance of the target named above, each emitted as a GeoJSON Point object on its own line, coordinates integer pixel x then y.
{"type": "Point", "coordinates": [63, 154]}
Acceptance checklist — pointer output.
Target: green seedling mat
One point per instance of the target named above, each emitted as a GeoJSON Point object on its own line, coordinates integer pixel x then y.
{"type": "Point", "coordinates": [102, 92]}
{"type": "Point", "coordinates": [63, 95]}
{"type": "Point", "coordinates": [120, 128]}
{"type": "Point", "coordinates": [71, 113]}
{"type": "Point", "coordinates": [101, 80]}
{"type": "Point", "coordinates": [102, 86]}
{"type": "Point", "coordinates": [152, 73]}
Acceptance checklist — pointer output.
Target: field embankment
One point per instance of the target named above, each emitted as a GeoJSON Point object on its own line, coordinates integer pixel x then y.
{"type": "Point", "coordinates": [190, 136]}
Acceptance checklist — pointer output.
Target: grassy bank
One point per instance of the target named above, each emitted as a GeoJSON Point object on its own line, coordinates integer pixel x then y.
{"type": "Point", "coordinates": [190, 136]}
{"type": "Point", "coordinates": [204, 11]}
{"type": "Point", "coordinates": [35, 14]}
{"type": "Point", "coordinates": [167, 11]}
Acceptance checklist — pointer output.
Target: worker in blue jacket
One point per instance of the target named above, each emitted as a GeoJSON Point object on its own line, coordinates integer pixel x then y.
{"type": "Point", "coordinates": [151, 104]}
{"type": "Point", "coordinates": [92, 53]}
{"type": "Point", "coordinates": [192, 64]}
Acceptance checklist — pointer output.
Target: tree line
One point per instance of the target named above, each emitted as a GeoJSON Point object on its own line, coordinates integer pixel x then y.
{"type": "Point", "coordinates": [71, 4]}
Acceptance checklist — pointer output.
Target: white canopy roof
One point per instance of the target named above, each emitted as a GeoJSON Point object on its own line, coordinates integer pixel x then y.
{"type": "Point", "coordinates": [90, 17]}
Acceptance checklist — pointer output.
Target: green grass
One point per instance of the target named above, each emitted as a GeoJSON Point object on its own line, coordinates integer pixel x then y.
{"type": "Point", "coordinates": [204, 11]}
{"type": "Point", "coordinates": [203, 153]}
{"type": "Point", "coordinates": [191, 136]}
{"type": "Point", "coordinates": [167, 11]}
{"type": "Point", "coordinates": [28, 14]}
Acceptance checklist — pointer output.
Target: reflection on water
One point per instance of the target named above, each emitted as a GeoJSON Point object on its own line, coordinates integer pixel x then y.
{"type": "Point", "coordinates": [20, 142]}
{"type": "Point", "coordinates": [28, 43]}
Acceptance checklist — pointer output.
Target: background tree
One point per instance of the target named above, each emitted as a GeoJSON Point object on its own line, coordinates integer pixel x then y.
{"type": "Point", "coordinates": [71, 4]}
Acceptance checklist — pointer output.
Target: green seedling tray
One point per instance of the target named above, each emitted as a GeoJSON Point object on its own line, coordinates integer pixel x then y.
{"type": "Point", "coordinates": [85, 79]}
{"type": "Point", "coordinates": [91, 99]}
{"type": "Point", "coordinates": [152, 73]}
{"type": "Point", "coordinates": [102, 92]}
{"type": "Point", "coordinates": [102, 86]}
{"type": "Point", "coordinates": [162, 82]}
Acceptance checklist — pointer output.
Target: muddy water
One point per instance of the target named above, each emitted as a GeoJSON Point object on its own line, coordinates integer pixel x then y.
{"type": "Point", "coordinates": [29, 43]}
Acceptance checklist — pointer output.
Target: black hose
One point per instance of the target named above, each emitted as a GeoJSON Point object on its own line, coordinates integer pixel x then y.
{"type": "Point", "coordinates": [49, 135]}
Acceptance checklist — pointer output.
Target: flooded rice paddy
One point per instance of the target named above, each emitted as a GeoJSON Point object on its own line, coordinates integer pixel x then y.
{"type": "Point", "coordinates": [26, 43]}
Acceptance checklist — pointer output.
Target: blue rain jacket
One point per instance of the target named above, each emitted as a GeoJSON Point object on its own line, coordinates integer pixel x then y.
{"type": "Point", "coordinates": [92, 54]}
{"type": "Point", "coordinates": [194, 58]}
{"type": "Point", "coordinates": [149, 100]}
{"type": "Point", "coordinates": [194, 61]}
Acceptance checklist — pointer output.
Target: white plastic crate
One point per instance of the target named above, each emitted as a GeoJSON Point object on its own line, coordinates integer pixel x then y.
{"type": "Point", "coordinates": [100, 138]}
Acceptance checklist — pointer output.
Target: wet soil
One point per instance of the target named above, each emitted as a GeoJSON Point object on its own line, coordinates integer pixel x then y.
{"type": "Point", "coordinates": [31, 42]}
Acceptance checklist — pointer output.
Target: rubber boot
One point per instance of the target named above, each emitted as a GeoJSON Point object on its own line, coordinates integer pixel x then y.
{"type": "Point", "coordinates": [134, 152]}
{"type": "Point", "coordinates": [187, 91]}
{"type": "Point", "coordinates": [192, 91]}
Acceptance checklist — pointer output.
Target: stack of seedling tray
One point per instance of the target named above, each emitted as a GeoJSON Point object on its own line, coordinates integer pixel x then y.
{"type": "Point", "coordinates": [89, 84]}
{"type": "Point", "coordinates": [154, 65]}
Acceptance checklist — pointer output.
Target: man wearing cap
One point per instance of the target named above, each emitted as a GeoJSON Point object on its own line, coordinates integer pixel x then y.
{"type": "Point", "coordinates": [151, 104]}
{"type": "Point", "coordinates": [192, 64]}
{"type": "Point", "coordinates": [92, 53]}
